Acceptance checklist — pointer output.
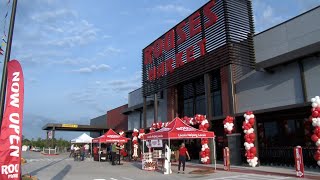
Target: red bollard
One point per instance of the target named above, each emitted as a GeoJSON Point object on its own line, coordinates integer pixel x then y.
{"type": "Point", "coordinates": [298, 158]}
{"type": "Point", "coordinates": [226, 159]}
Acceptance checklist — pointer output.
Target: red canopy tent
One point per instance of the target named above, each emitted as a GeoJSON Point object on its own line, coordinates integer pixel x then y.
{"type": "Point", "coordinates": [177, 129]}
{"type": "Point", "coordinates": [109, 137]}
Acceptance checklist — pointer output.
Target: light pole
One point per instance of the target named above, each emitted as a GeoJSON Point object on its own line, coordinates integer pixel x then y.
{"type": "Point", "coordinates": [6, 60]}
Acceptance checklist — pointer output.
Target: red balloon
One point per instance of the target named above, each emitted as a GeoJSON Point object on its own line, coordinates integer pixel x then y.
{"type": "Point", "coordinates": [252, 121]}
{"type": "Point", "coordinates": [252, 135]}
{"type": "Point", "coordinates": [206, 126]}
{"type": "Point", "coordinates": [207, 150]}
{"type": "Point", "coordinates": [314, 138]}
{"type": "Point", "coordinates": [315, 114]}
{"type": "Point", "coordinates": [248, 140]}
{"type": "Point", "coordinates": [317, 109]}
{"type": "Point", "coordinates": [253, 150]}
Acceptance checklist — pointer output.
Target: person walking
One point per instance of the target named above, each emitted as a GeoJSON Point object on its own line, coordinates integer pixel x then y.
{"type": "Point", "coordinates": [71, 150]}
{"type": "Point", "coordinates": [182, 157]}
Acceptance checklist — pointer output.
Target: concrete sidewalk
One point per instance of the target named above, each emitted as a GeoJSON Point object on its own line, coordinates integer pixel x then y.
{"type": "Point", "coordinates": [261, 170]}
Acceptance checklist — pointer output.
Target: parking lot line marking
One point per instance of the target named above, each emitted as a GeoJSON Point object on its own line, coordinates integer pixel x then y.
{"type": "Point", "coordinates": [113, 179]}
{"type": "Point", "coordinates": [250, 177]}
{"type": "Point", "coordinates": [126, 178]}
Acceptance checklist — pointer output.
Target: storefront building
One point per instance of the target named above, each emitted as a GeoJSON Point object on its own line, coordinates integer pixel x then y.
{"type": "Point", "coordinates": [212, 63]}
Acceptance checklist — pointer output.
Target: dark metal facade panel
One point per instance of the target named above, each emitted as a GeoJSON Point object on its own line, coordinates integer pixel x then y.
{"type": "Point", "coordinates": [116, 120]}
{"type": "Point", "coordinates": [228, 41]}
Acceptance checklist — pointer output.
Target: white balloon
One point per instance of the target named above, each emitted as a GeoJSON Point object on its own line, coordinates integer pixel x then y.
{"type": "Point", "coordinates": [247, 117]}
{"type": "Point", "coordinates": [314, 105]}
{"type": "Point", "coordinates": [245, 143]}
{"type": "Point", "coordinates": [318, 123]}
{"type": "Point", "coordinates": [255, 158]}
{"type": "Point", "coordinates": [244, 115]}
{"type": "Point", "coordinates": [318, 142]}
{"type": "Point", "coordinates": [252, 116]}
{"type": "Point", "coordinates": [229, 128]}
{"type": "Point", "coordinates": [313, 99]}
{"type": "Point", "coordinates": [202, 149]}
{"type": "Point", "coordinates": [251, 130]}
{"type": "Point", "coordinates": [314, 124]}
{"type": "Point", "coordinates": [225, 126]}
{"type": "Point", "coordinates": [318, 163]}
{"type": "Point", "coordinates": [317, 97]}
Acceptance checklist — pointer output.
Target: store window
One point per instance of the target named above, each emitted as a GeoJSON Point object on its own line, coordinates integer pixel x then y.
{"type": "Point", "coordinates": [188, 107]}
{"type": "Point", "coordinates": [271, 131]}
{"type": "Point", "coordinates": [216, 94]}
{"type": "Point", "coordinates": [200, 105]}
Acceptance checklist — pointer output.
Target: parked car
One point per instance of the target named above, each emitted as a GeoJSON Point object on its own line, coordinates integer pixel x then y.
{"type": "Point", "coordinates": [36, 149]}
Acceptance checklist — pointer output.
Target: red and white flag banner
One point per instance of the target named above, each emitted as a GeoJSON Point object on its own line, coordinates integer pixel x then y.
{"type": "Point", "coordinates": [11, 129]}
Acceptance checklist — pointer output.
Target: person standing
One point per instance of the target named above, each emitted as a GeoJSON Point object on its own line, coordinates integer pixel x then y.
{"type": "Point", "coordinates": [71, 150]}
{"type": "Point", "coordinates": [182, 157]}
{"type": "Point", "coordinates": [114, 150]}
{"type": "Point", "coordinates": [82, 152]}
{"type": "Point", "coordinates": [86, 147]}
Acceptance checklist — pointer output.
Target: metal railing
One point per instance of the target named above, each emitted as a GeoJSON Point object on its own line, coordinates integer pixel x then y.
{"type": "Point", "coordinates": [284, 156]}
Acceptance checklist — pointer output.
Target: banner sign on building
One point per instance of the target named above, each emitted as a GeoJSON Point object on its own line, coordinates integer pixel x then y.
{"type": "Point", "coordinates": [298, 158]}
{"type": "Point", "coordinates": [69, 125]}
{"type": "Point", "coordinates": [200, 43]}
{"type": "Point", "coordinates": [11, 129]}
{"type": "Point", "coordinates": [226, 159]}
{"type": "Point", "coordinates": [49, 134]}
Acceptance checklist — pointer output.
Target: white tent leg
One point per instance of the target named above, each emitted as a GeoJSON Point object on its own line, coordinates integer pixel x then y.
{"type": "Point", "coordinates": [99, 151]}
{"type": "Point", "coordinates": [214, 154]}
{"type": "Point", "coordinates": [142, 147]}
{"type": "Point", "coordinates": [91, 152]}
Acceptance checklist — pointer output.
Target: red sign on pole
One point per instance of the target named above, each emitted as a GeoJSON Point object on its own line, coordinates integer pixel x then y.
{"type": "Point", "coordinates": [226, 158]}
{"type": "Point", "coordinates": [298, 158]}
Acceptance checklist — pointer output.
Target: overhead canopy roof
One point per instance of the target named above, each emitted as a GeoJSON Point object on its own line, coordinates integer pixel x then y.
{"type": "Point", "coordinates": [110, 137]}
{"type": "Point", "coordinates": [177, 129]}
{"type": "Point", "coordinates": [73, 127]}
{"type": "Point", "coordinates": [84, 138]}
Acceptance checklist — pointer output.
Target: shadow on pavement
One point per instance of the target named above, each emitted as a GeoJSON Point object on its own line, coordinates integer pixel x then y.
{"type": "Point", "coordinates": [62, 173]}
{"type": "Point", "coordinates": [33, 173]}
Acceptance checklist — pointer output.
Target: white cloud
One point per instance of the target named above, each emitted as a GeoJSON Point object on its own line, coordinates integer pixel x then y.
{"type": "Point", "coordinates": [110, 51]}
{"type": "Point", "coordinates": [265, 16]}
{"type": "Point", "coordinates": [93, 68]}
{"type": "Point", "coordinates": [53, 15]}
{"type": "Point", "coordinates": [71, 61]}
{"type": "Point", "coordinates": [172, 8]}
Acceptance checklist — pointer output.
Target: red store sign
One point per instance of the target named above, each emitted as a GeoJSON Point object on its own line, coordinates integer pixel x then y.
{"type": "Point", "coordinates": [167, 43]}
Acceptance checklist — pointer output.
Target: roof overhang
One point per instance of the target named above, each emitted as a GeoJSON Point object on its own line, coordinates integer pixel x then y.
{"type": "Point", "coordinates": [72, 127]}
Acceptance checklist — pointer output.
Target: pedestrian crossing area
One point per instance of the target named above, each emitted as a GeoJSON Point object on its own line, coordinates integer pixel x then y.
{"type": "Point", "coordinates": [47, 159]}
{"type": "Point", "coordinates": [121, 178]}
{"type": "Point", "coordinates": [250, 177]}
{"type": "Point", "coordinates": [52, 159]}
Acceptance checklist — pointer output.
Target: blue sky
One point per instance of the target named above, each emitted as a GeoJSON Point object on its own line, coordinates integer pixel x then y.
{"type": "Point", "coordinates": [81, 58]}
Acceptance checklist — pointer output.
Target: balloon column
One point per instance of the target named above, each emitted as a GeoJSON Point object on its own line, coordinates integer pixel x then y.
{"type": "Point", "coordinates": [122, 149]}
{"type": "Point", "coordinates": [158, 125]}
{"type": "Point", "coordinates": [135, 143]}
{"type": "Point", "coordinates": [316, 123]}
{"type": "Point", "coordinates": [228, 124]}
{"type": "Point", "coordinates": [248, 130]}
{"type": "Point", "coordinates": [203, 125]}
{"type": "Point", "coordinates": [141, 133]}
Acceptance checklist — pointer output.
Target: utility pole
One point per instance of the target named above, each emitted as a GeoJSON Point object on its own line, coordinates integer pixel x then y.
{"type": "Point", "coordinates": [6, 60]}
